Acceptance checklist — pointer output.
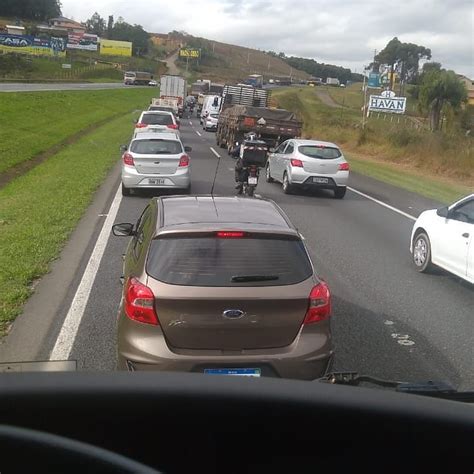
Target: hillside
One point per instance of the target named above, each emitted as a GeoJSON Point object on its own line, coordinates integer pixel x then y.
{"type": "Point", "coordinates": [222, 62]}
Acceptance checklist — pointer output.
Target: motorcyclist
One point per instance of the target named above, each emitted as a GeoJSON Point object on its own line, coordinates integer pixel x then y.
{"type": "Point", "coordinates": [241, 173]}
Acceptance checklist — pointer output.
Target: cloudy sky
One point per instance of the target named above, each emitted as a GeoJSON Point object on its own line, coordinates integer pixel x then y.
{"type": "Point", "coordinates": [341, 32]}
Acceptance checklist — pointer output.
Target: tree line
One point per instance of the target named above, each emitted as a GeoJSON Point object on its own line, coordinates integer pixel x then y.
{"type": "Point", "coordinates": [119, 30]}
{"type": "Point", "coordinates": [321, 70]}
{"type": "Point", "coordinates": [39, 10]}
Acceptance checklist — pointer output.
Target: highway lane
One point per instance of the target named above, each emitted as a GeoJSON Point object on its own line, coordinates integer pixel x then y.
{"type": "Point", "coordinates": [59, 86]}
{"type": "Point", "coordinates": [389, 321]}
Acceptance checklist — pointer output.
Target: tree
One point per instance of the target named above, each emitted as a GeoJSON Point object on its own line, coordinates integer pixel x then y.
{"type": "Point", "coordinates": [39, 10]}
{"type": "Point", "coordinates": [110, 25]}
{"type": "Point", "coordinates": [441, 88]}
{"type": "Point", "coordinates": [96, 25]}
{"type": "Point", "coordinates": [405, 56]}
{"type": "Point", "coordinates": [123, 31]}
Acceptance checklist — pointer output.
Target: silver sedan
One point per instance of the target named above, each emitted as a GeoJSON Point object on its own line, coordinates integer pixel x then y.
{"type": "Point", "coordinates": [155, 160]}
{"type": "Point", "coordinates": [309, 164]}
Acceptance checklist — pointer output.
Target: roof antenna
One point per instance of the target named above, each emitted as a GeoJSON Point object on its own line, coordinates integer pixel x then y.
{"type": "Point", "coordinates": [215, 174]}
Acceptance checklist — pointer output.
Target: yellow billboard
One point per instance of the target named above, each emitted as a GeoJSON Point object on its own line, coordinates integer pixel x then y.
{"type": "Point", "coordinates": [115, 48]}
{"type": "Point", "coordinates": [189, 53]}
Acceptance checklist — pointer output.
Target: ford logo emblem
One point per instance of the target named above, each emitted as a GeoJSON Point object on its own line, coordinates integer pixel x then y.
{"type": "Point", "coordinates": [233, 313]}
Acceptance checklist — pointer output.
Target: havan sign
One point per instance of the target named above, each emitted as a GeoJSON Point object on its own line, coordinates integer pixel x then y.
{"type": "Point", "coordinates": [394, 105]}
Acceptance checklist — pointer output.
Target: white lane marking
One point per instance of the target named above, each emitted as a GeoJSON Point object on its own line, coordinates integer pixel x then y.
{"type": "Point", "coordinates": [64, 342]}
{"type": "Point", "coordinates": [381, 203]}
{"type": "Point", "coordinates": [215, 152]}
{"type": "Point", "coordinates": [197, 132]}
{"type": "Point", "coordinates": [190, 123]}
{"type": "Point", "coordinates": [403, 339]}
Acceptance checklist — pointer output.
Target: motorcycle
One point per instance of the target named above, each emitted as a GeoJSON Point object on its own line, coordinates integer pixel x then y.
{"type": "Point", "coordinates": [249, 185]}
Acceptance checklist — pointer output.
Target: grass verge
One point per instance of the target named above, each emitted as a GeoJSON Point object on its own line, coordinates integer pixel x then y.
{"type": "Point", "coordinates": [33, 122]}
{"type": "Point", "coordinates": [39, 210]}
{"type": "Point", "coordinates": [437, 166]}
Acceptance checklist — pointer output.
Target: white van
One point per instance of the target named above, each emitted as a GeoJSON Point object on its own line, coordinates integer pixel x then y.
{"type": "Point", "coordinates": [211, 105]}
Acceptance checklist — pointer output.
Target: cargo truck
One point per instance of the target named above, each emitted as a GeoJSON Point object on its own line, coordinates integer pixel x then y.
{"type": "Point", "coordinates": [255, 80]}
{"type": "Point", "coordinates": [272, 125]}
{"type": "Point", "coordinates": [332, 81]}
{"type": "Point", "coordinates": [136, 78]}
{"type": "Point", "coordinates": [174, 87]}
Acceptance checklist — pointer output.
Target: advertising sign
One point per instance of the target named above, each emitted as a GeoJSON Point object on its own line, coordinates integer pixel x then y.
{"type": "Point", "coordinates": [115, 48]}
{"type": "Point", "coordinates": [374, 80]}
{"type": "Point", "coordinates": [83, 41]}
{"type": "Point", "coordinates": [26, 44]}
{"type": "Point", "coordinates": [393, 105]}
{"type": "Point", "coordinates": [189, 53]}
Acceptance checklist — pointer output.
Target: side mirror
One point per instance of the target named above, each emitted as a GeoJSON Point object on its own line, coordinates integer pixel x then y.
{"type": "Point", "coordinates": [123, 230]}
{"type": "Point", "coordinates": [123, 148]}
{"type": "Point", "coordinates": [443, 212]}
{"type": "Point", "coordinates": [135, 120]}
{"type": "Point", "coordinates": [272, 150]}
{"type": "Point", "coordinates": [187, 149]}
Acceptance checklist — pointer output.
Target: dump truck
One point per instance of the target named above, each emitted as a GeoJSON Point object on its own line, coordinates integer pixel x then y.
{"type": "Point", "coordinates": [272, 125]}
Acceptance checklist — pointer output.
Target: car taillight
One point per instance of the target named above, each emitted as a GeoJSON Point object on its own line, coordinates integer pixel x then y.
{"type": "Point", "coordinates": [229, 234]}
{"type": "Point", "coordinates": [140, 302]}
{"type": "Point", "coordinates": [344, 167]}
{"type": "Point", "coordinates": [297, 163]}
{"type": "Point", "coordinates": [141, 125]}
{"type": "Point", "coordinates": [319, 307]}
{"type": "Point", "coordinates": [184, 161]}
{"type": "Point", "coordinates": [173, 126]}
{"type": "Point", "coordinates": [128, 159]}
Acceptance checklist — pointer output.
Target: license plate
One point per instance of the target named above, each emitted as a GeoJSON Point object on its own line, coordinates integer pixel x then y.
{"type": "Point", "coordinates": [238, 372]}
{"type": "Point", "coordinates": [321, 180]}
{"type": "Point", "coordinates": [156, 181]}
{"type": "Point", "coordinates": [252, 180]}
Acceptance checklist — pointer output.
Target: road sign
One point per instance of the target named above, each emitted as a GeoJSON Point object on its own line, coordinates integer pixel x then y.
{"type": "Point", "coordinates": [374, 80]}
{"type": "Point", "coordinates": [189, 53]}
{"type": "Point", "coordinates": [393, 105]}
{"type": "Point", "coordinates": [388, 94]}
{"type": "Point", "coordinates": [66, 66]}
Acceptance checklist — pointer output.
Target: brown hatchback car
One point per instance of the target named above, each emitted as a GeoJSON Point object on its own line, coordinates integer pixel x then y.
{"type": "Point", "coordinates": [221, 285]}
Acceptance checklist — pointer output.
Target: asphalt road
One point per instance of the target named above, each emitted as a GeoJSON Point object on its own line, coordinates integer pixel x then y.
{"type": "Point", "coordinates": [388, 320]}
{"type": "Point", "coordinates": [59, 86]}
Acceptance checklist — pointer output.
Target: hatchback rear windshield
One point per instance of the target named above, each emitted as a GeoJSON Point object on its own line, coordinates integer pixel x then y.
{"type": "Point", "coordinates": [157, 119]}
{"type": "Point", "coordinates": [209, 261]}
{"type": "Point", "coordinates": [156, 147]}
{"type": "Point", "coordinates": [324, 153]}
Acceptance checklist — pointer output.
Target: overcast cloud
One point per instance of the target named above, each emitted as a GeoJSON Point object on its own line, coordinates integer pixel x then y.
{"type": "Point", "coordinates": [341, 32]}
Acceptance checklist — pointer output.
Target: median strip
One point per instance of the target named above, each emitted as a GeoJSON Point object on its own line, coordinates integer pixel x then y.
{"type": "Point", "coordinates": [39, 210]}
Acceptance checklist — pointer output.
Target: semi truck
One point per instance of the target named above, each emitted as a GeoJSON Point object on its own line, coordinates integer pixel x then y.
{"type": "Point", "coordinates": [244, 95]}
{"type": "Point", "coordinates": [272, 125]}
{"type": "Point", "coordinates": [174, 87]}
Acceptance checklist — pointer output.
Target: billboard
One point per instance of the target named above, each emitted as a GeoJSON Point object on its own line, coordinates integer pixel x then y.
{"type": "Point", "coordinates": [189, 53]}
{"type": "Point", "coordinates": [115, 48]}
{"type": "Point", "coordinates": [83, 41]}
{"type": "Point", "coordinates": [26, 44]}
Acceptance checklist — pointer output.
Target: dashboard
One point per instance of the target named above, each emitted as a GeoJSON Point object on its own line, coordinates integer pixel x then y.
{"type": "Point", "coordinates": [176, 422]}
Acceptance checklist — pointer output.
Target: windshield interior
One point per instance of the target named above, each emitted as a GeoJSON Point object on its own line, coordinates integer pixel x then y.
{"type": "Point", "coordinates": [348, 125]}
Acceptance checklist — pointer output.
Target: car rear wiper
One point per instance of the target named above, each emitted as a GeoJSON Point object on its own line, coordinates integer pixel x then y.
{"type": "Point", "coordinates": [429, 388]}
{"type": "Point", "coordinates": [244, 278]}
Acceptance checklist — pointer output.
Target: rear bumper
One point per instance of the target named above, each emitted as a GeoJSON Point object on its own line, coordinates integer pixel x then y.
{"type": "Point", "coordinates": [143, 347]}
{"type": "Point", "coordinates": [303, 178]}
{"type": "Point", "coordinates": [132, 179]}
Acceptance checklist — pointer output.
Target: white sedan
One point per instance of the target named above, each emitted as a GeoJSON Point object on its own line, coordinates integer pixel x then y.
{"type": "Point", "coordinates": [445, 237]}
